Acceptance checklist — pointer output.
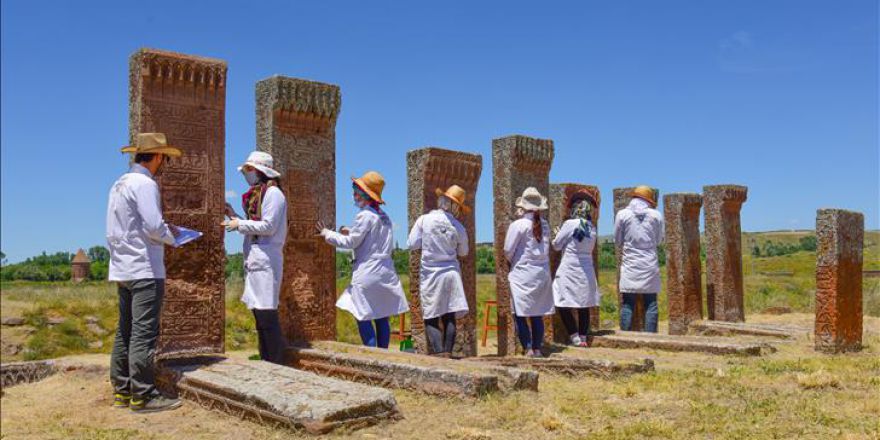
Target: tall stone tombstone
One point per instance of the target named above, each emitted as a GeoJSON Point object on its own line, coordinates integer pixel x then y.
{"type": "Point", "coordinates": [518, 162]}
{"type": "Point", "coordinates": [296, 124]}
{"type": "Point", "coordinates": [840, 239]}
{"type": "Point", "coordinates": [559, 195]}
{"type": "Point", "coordinates": [724, 275]}
{"type": "Point", "coordinates": [429, 169]}
{"type": "Point", "coordinates": [622, 196]}
{"type": "Point", "coordinates": [684, 289]}
{"type": "Point", "coordinates": [184, 96]}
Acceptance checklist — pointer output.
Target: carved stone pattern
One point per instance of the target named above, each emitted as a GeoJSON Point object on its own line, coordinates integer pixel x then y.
{"type": "Point", "coordinates": [518, 162]}
{"type": "Point", "coordinates": [296, 124]}
{"type": "Point", "coordinates": [622, 196]}
{"type": "Point", "coordinates": [559, 195]}
{"type": "Point", "coordinates": [15, 373]}
{"type": "Point", "coordinates": [184, 97]}
{"type": "Point", "coordinates": [427, 170]}
{"type": "Point", "coordinates": [684, 290]}
{"type": "Point", "coordinates": [840, 237]}
{"type": "Point", "coordinates": [724, 275]}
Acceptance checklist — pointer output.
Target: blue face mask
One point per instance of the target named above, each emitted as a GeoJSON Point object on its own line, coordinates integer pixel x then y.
{"type": "Point", "coordinates": [251, 177]}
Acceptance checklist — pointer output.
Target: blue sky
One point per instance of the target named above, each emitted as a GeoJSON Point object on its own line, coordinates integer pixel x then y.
{"type": "Point", "coordinates": [779, 95]}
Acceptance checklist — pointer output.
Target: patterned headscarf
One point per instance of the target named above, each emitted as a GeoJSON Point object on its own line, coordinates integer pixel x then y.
{"type": "Point", "coordinates": [583, 211]}
{"type": "Point", "coordinates": [372, 203]}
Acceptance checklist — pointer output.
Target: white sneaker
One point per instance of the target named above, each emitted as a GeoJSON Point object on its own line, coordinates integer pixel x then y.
{"type": "Point", "coordinates": [575, 339]}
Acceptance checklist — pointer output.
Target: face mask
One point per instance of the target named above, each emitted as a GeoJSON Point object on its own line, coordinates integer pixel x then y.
{"type": "Point", "coordinates": [251, 177]}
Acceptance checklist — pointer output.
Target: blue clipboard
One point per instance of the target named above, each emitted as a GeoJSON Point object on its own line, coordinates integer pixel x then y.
{"type": "Point", "coordinates": [185, 236]}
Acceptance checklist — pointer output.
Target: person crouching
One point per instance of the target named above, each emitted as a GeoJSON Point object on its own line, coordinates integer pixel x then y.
{"type": "Point", "coordinates": [442, 239]}
{"type": "Point", "coordinates": [375, 292]}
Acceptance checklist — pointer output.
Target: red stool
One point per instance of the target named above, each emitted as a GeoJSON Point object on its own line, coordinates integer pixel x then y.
{"type": "Point", "coordinates": [486, 326]}
{"type": "Point", "coordinates": [401, 333]}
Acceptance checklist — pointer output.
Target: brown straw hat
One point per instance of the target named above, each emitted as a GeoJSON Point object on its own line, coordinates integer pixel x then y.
{"type": "Point", "coordinates": [152, 143]}
{"type": "Point", "coordinates": [457, 194]}
{"type": "Point", "coordinates": [645, 193]}
{"type": "Point", "coordinates": [371, 183]}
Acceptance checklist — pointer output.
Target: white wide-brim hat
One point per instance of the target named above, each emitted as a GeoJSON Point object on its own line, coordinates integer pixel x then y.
{"type": "Point", "coordinates": [263, 162]}
{"type": "Point", "coordinates": [532, 200]}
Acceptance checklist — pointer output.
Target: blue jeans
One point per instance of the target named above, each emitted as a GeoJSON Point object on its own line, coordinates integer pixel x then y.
{"type": "Point", "coordinates": [380, 337]}
{"type": "Point", "coordinates": [530, 339]}
{"type": "Point", "coordinates": [629, 303]}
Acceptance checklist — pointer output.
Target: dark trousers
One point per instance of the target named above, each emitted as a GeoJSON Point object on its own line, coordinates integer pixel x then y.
{"type": "Point", "coordinates": [272, 343]}
{"type": "Point", "coordinates": [530, 338]}
{"type": "Point", "coordinates": [375, 337]}
{"type": "Point", "coordinates": [582, 326]}
{"type": "Point", "coordinates": [441, 341]}
{"type": "Point", "coordinates": [131, 364]}
{"type": "Point", "coordinates": [629, 304]}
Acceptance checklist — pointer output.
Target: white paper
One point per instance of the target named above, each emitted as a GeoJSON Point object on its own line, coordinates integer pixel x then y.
{"type": "Point", "coordinates": [185, 236]}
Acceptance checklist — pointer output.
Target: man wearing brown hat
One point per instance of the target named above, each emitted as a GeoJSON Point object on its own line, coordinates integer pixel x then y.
{"type": "Point", "coordinates": [136, 235]}
{"type": "Point", "coordinates": [638, 230]}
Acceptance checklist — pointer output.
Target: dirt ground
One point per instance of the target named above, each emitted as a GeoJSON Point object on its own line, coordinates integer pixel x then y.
{"type": "Point", "coordinates": [794, 392]}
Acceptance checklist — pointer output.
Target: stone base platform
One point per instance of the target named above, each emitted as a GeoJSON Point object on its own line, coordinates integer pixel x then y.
{"type": "Point", "coordinates": [277, 395]}
{"type": "Point", "coordinates": [721, 328]}
{"type": "Point", "coordinates": [570, 366]}
{"type": "Point", "coordinates": [394, 369]}
{"type": "Point", "coordinates": [702, 344]}
{"type": "Point", "coordinates": [14, 373]}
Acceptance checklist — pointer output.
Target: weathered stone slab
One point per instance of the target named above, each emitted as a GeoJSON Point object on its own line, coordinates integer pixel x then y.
{"type": "Point", "coordinates": [622, 196]}
{"type": "Point", "coordinates": [296, 124]}
{"type": "Point", "coordinates": [640, 340]}
{"type": "Point", "coordinates": [558, 198]}
{"type": "Point", "coordinates": [840, 236]}
{"type": "Point", "coordinates": [273, 394]}
{"type": "Point", "coordinates": [570, 366]}
{"type": "Point", "coordinates": [429, 169]}
{"type": "Point", "coordinates": [14, 373]}
{"type": "Point", "coordinates": [724, 275]}
{"type": "Point", "coordinates": [518, 162]}
{"type": "Point", "coordinates": [684, 290]}
{"type": "Point", "coordinates": [427, 374]}
{"type": "Point", "coordinates": [184, 96]}
{"type": "Point", "coordinates": [723, 328]}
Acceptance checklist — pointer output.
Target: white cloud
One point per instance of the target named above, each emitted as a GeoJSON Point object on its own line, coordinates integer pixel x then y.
{"type": "Point", "coordinates": [230, 194]}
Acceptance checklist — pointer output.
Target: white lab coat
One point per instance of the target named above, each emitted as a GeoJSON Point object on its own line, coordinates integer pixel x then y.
{"type": "Point", "coordinates": [575, 282]}
{"type": "Point", "coordinates": [264, 252]}
{"type": "Point", "coordinates": [442, 239]}
{"type": "Point", "coordinates": [638, 230]}
{"type": "Point", "coordinates": [375, 291]}
{"type": "Point", "coordinates": [136, 231]}
{"type": "Point", "coordinates": [531, 290]}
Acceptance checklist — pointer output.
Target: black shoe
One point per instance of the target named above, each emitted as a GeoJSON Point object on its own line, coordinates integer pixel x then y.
{"type": "Point", "coordinates": [154, 404]}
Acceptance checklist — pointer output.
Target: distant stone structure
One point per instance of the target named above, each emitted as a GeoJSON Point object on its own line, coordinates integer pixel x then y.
{"type": "Point", "coordinates": [724, 275]}
{"type": "Point", "coordinates": [840, 237]}
{"type": "Point", "coordinates": [80, 266]}
{"type": "Point", "coordinates": [518, 162]}
{"type": "Point", "coordinates": [428, 169]}
{"type": "Point", "coordinates": [622, 196]}
{"type": "Point", "coordinates": [184, 96]}
{"type": "Point", "coordinates": [559, 195]}
{"type": "Point", "coordinates": [296, 124]}
{"type": "Point", "coordinates": [684, 290]}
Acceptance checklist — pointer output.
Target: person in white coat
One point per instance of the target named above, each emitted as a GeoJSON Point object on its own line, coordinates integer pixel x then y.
{"type": "Point", "coordinates": [574, 287]}
{"type": "Point", "coordinates": [638, 230]}
{"type": "Point", "coordinates": [264, 227]}
{"type": "Point", "coordinates": [375, 292]}
{"type": "Point", "coordinates": [442, 239]}
{"type": "Point", "coordinates": [527, 249]}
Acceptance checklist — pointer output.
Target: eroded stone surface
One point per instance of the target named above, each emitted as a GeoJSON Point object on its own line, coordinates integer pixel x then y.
{"type": "Point", "coordinates": [558, 213]}
{"type": "Point", "coordinates": [518, 162]}
{"type": "Point", "coordinates": [429, 169]}
{"type": "Point", "coordinates": [622, 197]}
{"type": "Point", "coordinates": [571, 366]}
{"type": "Point", "coordinates": [681, 343]}
{"type": "Point", "coordinates": [724, 276]}
{"type": "Point", "coordinates": [184, 96]}
{"type": "Point", "coordinates": [278, 395]}
{"type": "Point", "coordinates": [14, 373]}
{"type": "Point", "coordinates": [722, 328]}
{"type": "Point", "coordinates": [431, 375]}
{"type": "Point", "coordinates": [840, 237]}
{"type": "Point", "coordinates": [684, 289]}
{"type": "Point", "coordinates": [296, 124]}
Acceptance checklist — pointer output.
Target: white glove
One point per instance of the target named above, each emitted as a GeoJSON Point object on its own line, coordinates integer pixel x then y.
{"type": "Point", "coordinates": [231, 225]}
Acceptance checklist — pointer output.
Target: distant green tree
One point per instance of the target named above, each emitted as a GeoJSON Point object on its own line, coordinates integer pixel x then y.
{"type": "Point", "coordinates": [343, 264]}
{"type": "Point", "coordinates": [98, 253]}
{"type": "Point", "coordinates": [808, 243]}
{"type": "Point", "coordinates": [235, 266]}
{"type": "Point", "coordinates": [401, 260]}
{"type": "Point", "coordinates": [485, 257]}
{"type": "Point", "coordinates": [607, 259]}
